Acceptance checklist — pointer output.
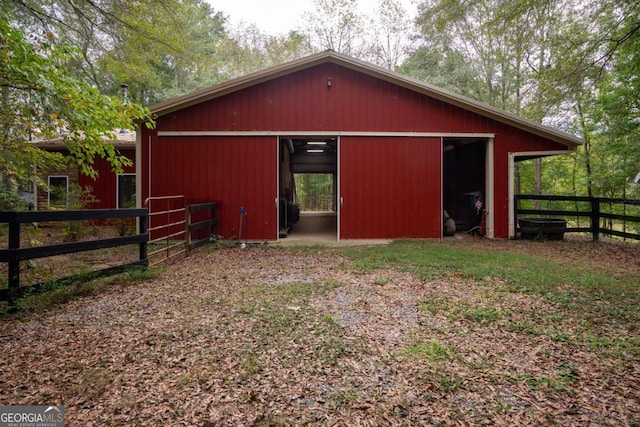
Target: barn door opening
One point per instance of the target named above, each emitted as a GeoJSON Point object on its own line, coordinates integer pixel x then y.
{"type": "Point", "coordinates": [464, 185]}
{"type": "Point", "coordinates": [308, 188]}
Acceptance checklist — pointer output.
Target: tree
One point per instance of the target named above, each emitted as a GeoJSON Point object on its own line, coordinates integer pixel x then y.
{"type": "Point", "coordinates": [166, 52]}
{"type": "Point", "coordinates": [248, 49]}
{"type": "Point", "coordinates": [41, 100]}
{"type": "Point", "coordinates": [445, 68]}
{"type": "Point", "coordinates": [391, 36]}
{"type": "Point", "coordinates": [337, 25]}
{"type": "Point", "coordinates": [160, 48]}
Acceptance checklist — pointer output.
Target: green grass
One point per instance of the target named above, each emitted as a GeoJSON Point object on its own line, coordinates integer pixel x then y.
{"type": "Point", "coordinates": [566, 285]}
{"type": "Point", "coordinates": [431, 351]}
{"type": "Point", "coordinates": [590, 308]}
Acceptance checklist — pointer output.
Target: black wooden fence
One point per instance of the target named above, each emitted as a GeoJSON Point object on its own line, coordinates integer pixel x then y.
{"type": "Point", "coordinates": [200, 221]}
{"type": "Point", "coordinates": [594, 215]}
{"type": "Point", "coordinates": [15, 253]}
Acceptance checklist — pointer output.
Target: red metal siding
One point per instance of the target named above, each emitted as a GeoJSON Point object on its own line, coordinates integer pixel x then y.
{"type": "Point", "coordinates": [390, 188]}
{"type": "Point", "coordinates": [234, 172]}
{"type": "Point", "coordinates": [104, 186]}
{"type": "Point", "coordinates": [302, 101]}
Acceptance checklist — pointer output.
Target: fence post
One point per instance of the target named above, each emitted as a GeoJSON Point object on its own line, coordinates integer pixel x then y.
{"type": "Point", "coordinates": [212, 217]}
{"type": "Point", "coordinates": [187, 226]}
{"type": "Point", "coordinates": [595, 218]}
{"type": "Point", "coordinates": [14, 264]}
{"type": "Point", "coordinates": [143, 230]}
{"type": "Point", "coordinates": [516, 205]}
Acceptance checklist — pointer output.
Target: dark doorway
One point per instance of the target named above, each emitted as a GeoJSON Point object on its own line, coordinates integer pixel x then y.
{"type": "Point", "coordinates": [464, 180]}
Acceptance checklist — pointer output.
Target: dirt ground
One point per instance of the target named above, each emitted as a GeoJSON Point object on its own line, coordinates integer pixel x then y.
{"type": "Point", "coordinates": [273, 336]}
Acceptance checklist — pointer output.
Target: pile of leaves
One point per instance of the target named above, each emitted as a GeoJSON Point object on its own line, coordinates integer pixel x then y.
{"type": "Point", "coordinates": [298, 336]}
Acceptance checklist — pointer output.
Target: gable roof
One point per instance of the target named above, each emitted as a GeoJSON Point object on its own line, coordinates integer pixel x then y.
{"type": "Point", "coordinates": [330, 56]}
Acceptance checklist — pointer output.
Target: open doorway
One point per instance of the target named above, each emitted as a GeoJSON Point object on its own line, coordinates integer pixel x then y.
{"type": "Point", "coordinates": [464, 185]}
{"type": "Point", "coordinates": [308, 188]}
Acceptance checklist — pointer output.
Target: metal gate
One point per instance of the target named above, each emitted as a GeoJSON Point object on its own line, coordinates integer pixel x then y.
{"type": "Point", "coordinates": [167, 228]}
{"type": "Point", "coordinates": [171, 226]}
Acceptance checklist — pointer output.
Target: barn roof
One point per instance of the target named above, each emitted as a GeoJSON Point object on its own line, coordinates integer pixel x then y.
{"type": "Point", "coordinates": [124, 139]}
{"type": "Point", "coordinates": [330, 56]}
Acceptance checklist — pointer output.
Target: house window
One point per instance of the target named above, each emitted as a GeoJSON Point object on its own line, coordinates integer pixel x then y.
{"type": "Point", "coordinates": [126, 191]}
{"type": "Point", "coordinates": [58, 190]}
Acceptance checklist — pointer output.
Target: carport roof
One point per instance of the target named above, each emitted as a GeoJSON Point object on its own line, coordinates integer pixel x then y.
{"type": "Point", "coordinates": [330, 56]}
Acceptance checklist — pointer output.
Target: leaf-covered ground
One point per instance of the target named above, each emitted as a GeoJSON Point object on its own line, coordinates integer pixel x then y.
{"type": "Point", "coordinates": [302, 336]}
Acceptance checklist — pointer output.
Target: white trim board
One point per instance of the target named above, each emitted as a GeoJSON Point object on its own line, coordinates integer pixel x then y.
{"type": "Point", "coordinates": [325, 133]}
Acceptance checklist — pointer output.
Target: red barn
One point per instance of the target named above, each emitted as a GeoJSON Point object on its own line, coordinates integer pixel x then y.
{"type": "Point", "coordinates": [401, 151]}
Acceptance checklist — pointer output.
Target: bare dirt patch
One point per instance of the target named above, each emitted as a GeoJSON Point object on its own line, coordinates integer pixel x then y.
{"type": "Point", "coordinates": [273, 336]}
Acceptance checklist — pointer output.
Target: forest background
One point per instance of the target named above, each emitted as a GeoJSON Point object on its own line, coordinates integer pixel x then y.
{"type": "Point", "coordinates": [570, 64]}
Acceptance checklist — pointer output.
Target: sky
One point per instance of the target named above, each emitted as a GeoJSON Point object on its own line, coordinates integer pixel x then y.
{"type": "Point", "coordinates": [281, 16]}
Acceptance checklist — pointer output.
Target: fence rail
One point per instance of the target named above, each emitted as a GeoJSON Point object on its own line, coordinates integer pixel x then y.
{"type": "Point", "coordinates": [607, 216]}
{"type": "Point", "coordinates": [197, 225]}
{"type": "Point", "coordinates": [15, 254]}
{"type": "Point", "coordinates": [204, 228]}
{"type": "Point", "coordinates": [316, 203]}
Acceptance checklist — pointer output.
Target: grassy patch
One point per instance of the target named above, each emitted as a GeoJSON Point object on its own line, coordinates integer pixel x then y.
{"type": "Point", "coordinates": [562, 284]}
{"type": "Point", "coordinates": [560, 383]}
{"type": "Point", "coordinates": [483, 315]}
{"type": "Point", "coordinates": [586, 307]}
{"type": "Point", "coordinates": [431, 351]}
{"type": "Point", "coordinates": [437, 305]}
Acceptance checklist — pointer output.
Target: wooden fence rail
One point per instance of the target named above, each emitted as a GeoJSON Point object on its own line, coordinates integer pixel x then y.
{"type": "Point", "coordinates": [198, 225]}
{"type": "Point", "coordinates": [208, 224]}
{"type": "Point", "coordinates": [608, 216]}
{"type": "Point", "coordinates": [14, 254]}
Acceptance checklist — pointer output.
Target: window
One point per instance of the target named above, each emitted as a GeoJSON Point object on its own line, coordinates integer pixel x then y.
{"type": "Point", "coordinates": [58, 190]}
{"type": "Point", "coordinates": [126, 191]}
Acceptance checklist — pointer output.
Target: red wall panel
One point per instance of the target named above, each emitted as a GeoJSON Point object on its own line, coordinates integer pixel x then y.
{"type": "Point", "coordinates": [234, 172]}
{"type": "Point", "coordinates": [390, 188]}
{"type": "Point", "coordinates": [104, 186]}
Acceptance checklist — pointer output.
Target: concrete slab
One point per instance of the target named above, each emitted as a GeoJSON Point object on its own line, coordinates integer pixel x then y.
{"type": "Point", "coordinates": [320, 228]}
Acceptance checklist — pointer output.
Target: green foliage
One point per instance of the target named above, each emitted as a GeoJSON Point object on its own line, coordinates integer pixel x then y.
{"type": "Point", "coordinates": [336, 25]}
{"type": "Point", "coordinates": [41, 100]}
{"type": "Point", "coordinates": [315, 191]}
{"type": "Point", "coordinates": [163, 52]}
{"type": "Point", "coordinates": [250, 50]}
{"type": "Point", "coordinates": [445, 68]}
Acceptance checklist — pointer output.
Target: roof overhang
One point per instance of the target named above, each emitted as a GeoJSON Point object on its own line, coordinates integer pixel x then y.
{"type": "Point", "coordinates": [124, 139]}
{"type": "Point", "coordinates": [230, 86]}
